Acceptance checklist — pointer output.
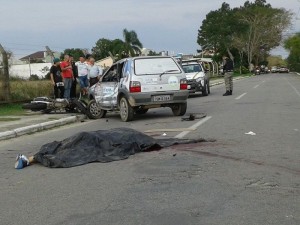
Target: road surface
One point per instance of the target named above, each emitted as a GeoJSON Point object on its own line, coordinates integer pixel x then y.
{"type": "Point", "coordinates": [250, 174]}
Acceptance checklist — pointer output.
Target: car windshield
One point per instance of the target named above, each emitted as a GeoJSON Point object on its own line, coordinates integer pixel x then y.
{"type": "Point", "coordinates": [150, 66]}
{"type": "Point", "coordinates": [195, 68]}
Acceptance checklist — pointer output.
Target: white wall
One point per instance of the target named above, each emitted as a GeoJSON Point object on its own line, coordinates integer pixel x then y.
{"type": "Point", "coordinates": [23, 71]}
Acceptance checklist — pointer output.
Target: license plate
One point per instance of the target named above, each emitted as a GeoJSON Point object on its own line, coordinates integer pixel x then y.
{"type": "Point", "coordinates": [161, 98]}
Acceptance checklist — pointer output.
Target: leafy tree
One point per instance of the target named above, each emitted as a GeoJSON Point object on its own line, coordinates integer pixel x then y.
{"type": "Point", "coordinates": [216, 31]}
{"type": "Point", "coordinates": [105, 47]}
{"type": "Point", "coordinates": [265, 26]}
{"type": "Point", "coordinates": [75, 52]}
{"type": "Point", "coordinates": [117, 48]}
{"type": "Point", "coordinates": [133, 44]}
{"type": "Point", "coordinates": [251, 30]}
{"type": "Point", "coordinates": [293, 45]}
{"type": "Point", "coordinates": [153, 53]}
{"type": "Point", "coordinates": [276, 61]}
{"type": "Point", "coordinates": [102, 48]}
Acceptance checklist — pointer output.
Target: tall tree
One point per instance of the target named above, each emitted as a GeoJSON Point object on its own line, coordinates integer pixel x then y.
{"type": "Point", "coordinates": [75, 52]}
{"type": "Point", "coordinates": [264, 27]}
{"type": "Point", "coordinates": [217, 29]}
{"type": "Point", "coordinates": [102, 48]}
{"type": "Point", "coordinates": [132, 42]}
{"type": "Point", "coordinates": [105, 47]}
{"type": "Point", "coordinates": [253, 29]}
{"type": "Point", "coordinates": [293, 45]}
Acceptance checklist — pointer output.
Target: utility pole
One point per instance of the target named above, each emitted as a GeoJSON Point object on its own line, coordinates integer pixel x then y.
{"type": "Point", "coordinates": [6, 85]}
{"type": "Point", "coordinates": [29, 63]}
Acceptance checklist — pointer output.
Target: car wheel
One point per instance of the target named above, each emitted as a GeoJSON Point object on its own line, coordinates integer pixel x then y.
{"type": "Point", "coordinates": [94, 111]}
{"type": "Point", "coordinates": [179, 109]}
{"type": "Point", "coordinates": [126, 111]}
{"type": "Point", "coordinates": [141, 111]}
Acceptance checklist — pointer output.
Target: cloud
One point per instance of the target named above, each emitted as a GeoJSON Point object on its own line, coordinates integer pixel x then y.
{"type": "Point", "coordinates": [160, 24]}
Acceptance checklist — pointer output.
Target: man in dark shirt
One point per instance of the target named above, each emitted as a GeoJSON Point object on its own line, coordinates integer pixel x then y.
{"type": "Point", "coordinates": [56, 79]}
{"type": "Point", "coordinates": [75, 75]}
{"type": "Point", "coordinates": [228, 71]}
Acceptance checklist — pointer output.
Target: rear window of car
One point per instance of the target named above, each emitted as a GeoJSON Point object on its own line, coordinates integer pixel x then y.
{"type": "Point", "coordinates": [192, 68]}
{"type": "Point", "coordinates": [150, 66]}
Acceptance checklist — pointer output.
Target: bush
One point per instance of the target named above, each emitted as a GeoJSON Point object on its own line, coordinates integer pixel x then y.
{"type": "Point", "coordinates": [242, 70]}
{"type": "Point", "coordinates": [34, 77]}
{"type": "Point", "coordinates": [23, 90]}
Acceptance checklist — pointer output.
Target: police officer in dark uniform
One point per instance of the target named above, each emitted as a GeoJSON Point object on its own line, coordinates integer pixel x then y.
{"type": "Point", "coordinates": [228, 71]}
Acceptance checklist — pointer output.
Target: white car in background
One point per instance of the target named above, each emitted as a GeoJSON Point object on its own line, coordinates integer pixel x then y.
{"type": "Point", "coordinates": [198, 81]}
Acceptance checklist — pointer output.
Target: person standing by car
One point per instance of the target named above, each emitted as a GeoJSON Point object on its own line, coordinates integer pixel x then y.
{"type": "Point", "coordinates": [95, 72]}
{"type": "Point", "coordinates": [83, 70]}
{"type": "Point", "coordinates": [56, 79]}
{"type": "Point", "coordinates": [228, 71]}
{"type": "Point", "coordinates": [75, 75]}
{"type": "Point", "coordinates": [67, 75]}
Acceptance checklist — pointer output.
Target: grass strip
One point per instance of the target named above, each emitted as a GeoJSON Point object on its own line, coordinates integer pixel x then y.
{"type": "Point", "coordinates": [11, 110]}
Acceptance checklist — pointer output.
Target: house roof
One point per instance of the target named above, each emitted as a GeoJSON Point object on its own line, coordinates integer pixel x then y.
{"type": "Point", "coordinates": [36, 55]}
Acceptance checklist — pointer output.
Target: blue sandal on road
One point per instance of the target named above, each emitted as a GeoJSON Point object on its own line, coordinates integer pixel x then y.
{"type": "Point", "coordinates": [21, 161]}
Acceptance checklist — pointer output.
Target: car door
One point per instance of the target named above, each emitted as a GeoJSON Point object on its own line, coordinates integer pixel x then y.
{"type": "Point", "coordinates": [106, 91]}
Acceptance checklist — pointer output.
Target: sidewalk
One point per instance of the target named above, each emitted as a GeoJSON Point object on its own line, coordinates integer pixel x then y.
{"type": "Point", "coordinates": [32, 122]}
{"type": "Point", "coordinates": [15, 126]}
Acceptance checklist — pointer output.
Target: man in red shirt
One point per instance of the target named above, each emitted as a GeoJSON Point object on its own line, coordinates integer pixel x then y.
{"type": "Point", "coordinates": [67, 74]}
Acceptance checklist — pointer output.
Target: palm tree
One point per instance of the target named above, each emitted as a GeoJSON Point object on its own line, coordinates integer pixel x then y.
{"type": "Point", "coordinates": [132, 42]}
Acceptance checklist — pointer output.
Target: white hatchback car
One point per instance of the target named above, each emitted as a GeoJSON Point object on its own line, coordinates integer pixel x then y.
{"type": "Point", "coordinates": [134, 85]}
{"type": "Point", "coordinates": [198, 81]}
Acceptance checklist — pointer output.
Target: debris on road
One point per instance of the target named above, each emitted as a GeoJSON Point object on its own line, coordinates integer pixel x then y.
{"type": "Point", "coordinates": [193, 116]}
{"type": "Point", "coordinates": [251, 133]}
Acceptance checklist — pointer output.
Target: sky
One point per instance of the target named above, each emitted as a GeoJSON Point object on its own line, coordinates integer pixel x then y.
{"type": "Point", "coordinates": [161, 25]}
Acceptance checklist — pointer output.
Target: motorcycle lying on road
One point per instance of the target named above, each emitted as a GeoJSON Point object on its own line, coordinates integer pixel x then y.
{"type": "Point", "coordinates": [47, 105]}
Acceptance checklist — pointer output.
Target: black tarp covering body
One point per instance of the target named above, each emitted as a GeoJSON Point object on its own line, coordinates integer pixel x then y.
{"type": "Point", "coordinates": [98, 146]}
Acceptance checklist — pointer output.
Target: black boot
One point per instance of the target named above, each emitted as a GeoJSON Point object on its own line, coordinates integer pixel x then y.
{"type": "Point", "coordinates": [230, 92]}
{"type": "Point", "coordinates": [226, 93]}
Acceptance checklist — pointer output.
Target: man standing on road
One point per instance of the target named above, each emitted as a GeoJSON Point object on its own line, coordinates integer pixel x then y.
{"type": "Point", "coordinates": [67, 75]}
{"type": "Point", "coordinates": [228, 71]}
{"type": "Point", "coordinates": [56, 79]}
{"type": "Point", "coordinates": [75, 75]}
{"type": "Point", "coordinates": [83, 74]}
{"type": "Point", "coordinates": [94, 72]}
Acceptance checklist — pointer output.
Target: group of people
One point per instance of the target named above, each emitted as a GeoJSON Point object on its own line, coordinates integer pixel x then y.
{"type": "Point", "coordinates": [65, 75]}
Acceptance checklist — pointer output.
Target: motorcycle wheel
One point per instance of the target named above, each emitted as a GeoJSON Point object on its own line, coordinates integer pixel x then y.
{"type": "Point", "coordinates": [35, 106]}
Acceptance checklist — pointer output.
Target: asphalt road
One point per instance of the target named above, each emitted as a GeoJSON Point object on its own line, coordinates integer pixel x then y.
{"type": "Point", "coordinates": [238, 179]}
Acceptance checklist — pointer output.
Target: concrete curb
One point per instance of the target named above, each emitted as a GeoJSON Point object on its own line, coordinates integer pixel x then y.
{"type": "Point", "coordinates": [39, 127]}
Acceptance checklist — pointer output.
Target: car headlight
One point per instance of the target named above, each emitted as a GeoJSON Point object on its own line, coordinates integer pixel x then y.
{"type": "Point", "coordinates": [198, 79]}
